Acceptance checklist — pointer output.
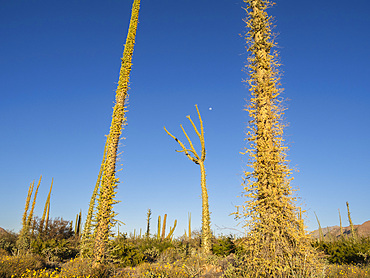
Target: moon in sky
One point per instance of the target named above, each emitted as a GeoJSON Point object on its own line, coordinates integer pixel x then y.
{"type": "Point", "coordinates": [210, 108]}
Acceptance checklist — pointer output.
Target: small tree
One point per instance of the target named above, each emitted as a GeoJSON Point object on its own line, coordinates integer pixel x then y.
{"type": "Point", "coordinates": [193, 156]}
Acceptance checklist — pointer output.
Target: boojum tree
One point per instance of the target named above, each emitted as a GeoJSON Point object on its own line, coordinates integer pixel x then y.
{"type": "Point", "coordinates": [105, 214]}
{"type": "Point", "coordinates": [23, 241]}
{"type": "Point", "coordinates": [276, 244]}
{"type": "Point", "coordinates": [199, 159]}
{"type": "Point", "coordinates": [45, 215]}
{"type": "Point", "coordinates": [30, 216]}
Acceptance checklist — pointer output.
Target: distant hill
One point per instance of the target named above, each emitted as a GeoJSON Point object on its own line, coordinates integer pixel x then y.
{"type": "Point", "coordinates": [2, 230]}
{"type": "Point", "coordinates": [362, 230]}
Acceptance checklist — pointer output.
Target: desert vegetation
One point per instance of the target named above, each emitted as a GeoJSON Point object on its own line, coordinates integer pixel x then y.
{"type": "Point", "coordinates": [275, 245]}
{"type": "Point", "coordinates": [56, 253]}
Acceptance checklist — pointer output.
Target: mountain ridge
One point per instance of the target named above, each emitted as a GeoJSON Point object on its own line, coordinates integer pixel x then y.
{"type": "Point", "coordinates": [362, 230]}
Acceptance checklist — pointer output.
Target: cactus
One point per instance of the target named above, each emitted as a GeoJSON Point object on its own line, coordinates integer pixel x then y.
{"type": "Point", "coordinates": [159, 228]}
{"type": "Point", "coordinates": [164, 226]}
{"type": "Point", "coordinates": [193, 156]}
{"type": "Point", "coordinates": [189, 216]}
{"type": "Point", "coordinates": [147, 234]}
{"type": "Point", "coordinates": [170, 235]}
{"type": "Point", "coordinates": [162, 236]}
{"type": "Point", "coordinates": [105, 214]}
{"type": "Point", "coordinates": [78, 224]}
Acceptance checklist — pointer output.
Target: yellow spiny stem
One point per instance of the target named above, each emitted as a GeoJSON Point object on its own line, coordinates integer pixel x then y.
{"type": "Point", "coordinates": [275, 245]}
{"type": "Point", "coordinates": [48, 202]}
{"type": "Point", "coordinates": [193, 156]}
{"type": "Point", "coordinates": [23, 241]}
{"type": "Point", "coordinates": [28, 199]}
{"type": "Point", "coordinates": [340, 223]}
{"type": "Point", "coordinates": [321, 234]}
{"type": "Point", "coordinates": [353, 232]}
{"type": "Point", "coordinates": [30, 216]}
{"type": "Point", "coordinates": [105, 214]}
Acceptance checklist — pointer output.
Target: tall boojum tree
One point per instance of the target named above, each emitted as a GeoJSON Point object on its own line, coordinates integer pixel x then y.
{"type": "Point", "coordinates": [276, 244]}
{"type": "Point", "coordinates": [105, 214]}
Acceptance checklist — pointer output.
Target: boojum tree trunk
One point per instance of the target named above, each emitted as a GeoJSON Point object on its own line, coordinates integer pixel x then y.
{"type": "Point", "coordinates": [105, 214]}
{"type": "Point", "coordinates": [193, 156]}
{"type": "Point", "coordinates": [276, 245]}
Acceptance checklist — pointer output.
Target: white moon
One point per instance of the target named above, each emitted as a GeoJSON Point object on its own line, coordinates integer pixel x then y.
{"type": "Point", "coordinates": [210, 108]}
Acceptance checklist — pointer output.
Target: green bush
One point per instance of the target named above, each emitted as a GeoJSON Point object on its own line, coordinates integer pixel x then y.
{"type": "Point", "coordinates": [56, 243]}
{"type": "Point", "coordinates": [8, 241]}
{"type": "Point", "coordinates": [134, 251]}
{"type": "Point", "coordinates": [224, 246]}
{"type": "Point", "coordinates": [346, 250]}
{"type": "Point", "coordinates": [55, 250]}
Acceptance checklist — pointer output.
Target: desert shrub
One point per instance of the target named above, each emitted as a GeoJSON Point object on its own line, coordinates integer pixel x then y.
{"type": "Point", "coordinates": [348, 271]}
{"type": "Point", "coordinates": [346, 250]}
{"type": "Point", "coordinates": [224, 246]}
{"type": "Point", "coordinates": [15, 266]}
{"type": "Point", "coordinates": [126, 253]}
{"type": "Point", "coordinates": [56, 229]}
{"type": "Point", "coordinates": [194, 266]}
{"type": "Point", "coordinates": [55, 250]}
{"type": "Point", "coordinates": [56, 243]}
{"type": "Point", "coordinates": [134, 251]}
{"type": "Point", "coordinates": [171, 255]}
{"type": "Point", "coordinates": [76, 267]}
{"type": "Point", "coordinates": [8, 241]}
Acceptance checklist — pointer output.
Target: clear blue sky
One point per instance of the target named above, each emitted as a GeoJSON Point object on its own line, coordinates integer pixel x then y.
{"type": "Point", "coordinates": [59, 66]}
